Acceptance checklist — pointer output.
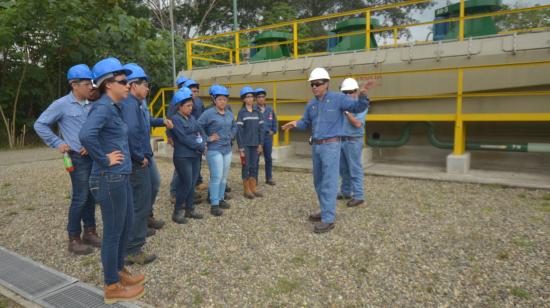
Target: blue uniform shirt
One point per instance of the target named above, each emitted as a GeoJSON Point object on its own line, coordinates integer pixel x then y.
{"type": "Point", "coordinates": [223, 124]}
{"type": "Point", "coordinates": [138, 136]}
{"type": "Point", "coordinates": [270, 119]}
{"type": "Point", "coordinates": [149, 120]}
{"type": "Point", "coordinates": [326, 116]}
{"type": "Point", "coordinates": [198, 107]}
{"type": "Point", "coordinates": [352, 131]}
{"type": "Point", "coordinates": [250, 131]}
{"type": "Point", "coordinates": [188, 136]}
{"type": "Point", "coordinates": [104, 132]}
{"type": "Point", "coordinates": [69, 115]}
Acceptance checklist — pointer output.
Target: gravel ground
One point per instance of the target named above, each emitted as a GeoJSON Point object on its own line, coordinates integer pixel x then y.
{"type": "Point", "coordinates": [415, 243]}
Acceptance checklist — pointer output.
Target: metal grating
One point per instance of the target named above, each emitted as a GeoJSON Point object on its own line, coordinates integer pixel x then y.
{"type": "Point", "coordinates": [28, 278]}
{"type": "Point", "coordinates": [78, 295]}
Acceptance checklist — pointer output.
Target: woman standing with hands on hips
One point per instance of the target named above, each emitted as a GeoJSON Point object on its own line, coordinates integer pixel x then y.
{"type": "Point", "coordinates": [105, 136]}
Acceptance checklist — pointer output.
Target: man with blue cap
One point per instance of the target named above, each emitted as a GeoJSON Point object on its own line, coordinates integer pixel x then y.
{"type": "Point", "coordinates": [325, 115]}
{"type": "Point", "coordinates": [141, 155]}
{"type": "Point", "coordinates": [69, 113]}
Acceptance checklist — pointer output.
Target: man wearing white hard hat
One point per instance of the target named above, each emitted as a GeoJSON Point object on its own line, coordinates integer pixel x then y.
{"type": "Point", "coordinates": [351, 168]}
{"type": "Point", "coordinates": [325, 115]}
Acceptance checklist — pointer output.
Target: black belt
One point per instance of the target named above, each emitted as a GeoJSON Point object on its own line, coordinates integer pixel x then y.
{"type": "Point", "coordinates": [350, 138]}
{"type": "Point", "coordinates": [328, 140]}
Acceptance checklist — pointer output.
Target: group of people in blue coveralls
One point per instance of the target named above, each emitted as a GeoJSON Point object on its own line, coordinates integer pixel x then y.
{"type": "Point", "coordinates": [105, 130]}
{"type": "Point", "coordinates": [211, 134]}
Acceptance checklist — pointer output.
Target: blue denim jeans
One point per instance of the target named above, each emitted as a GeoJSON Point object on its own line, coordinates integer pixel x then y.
{"type": "Point", "coordinates": [188, 171]}
{"type": "Point", "coordinates": [326, 164]}
{"type": "Point", "coordinates": [155, 181]}
{"type": "Point", "coordinates": [351, 169]}
{"type": "Point", "coordinates": [250, 168]}
{"type": "Point", "coordinates": [82, 202]}
{"type": "Point", "coordinates": [268, 150]}
{"type": "Point", "coordinates": [175, 182]}
{"type": "Point", "coordinates": [218, 164]}
{"type": "Point", "coordinates": [114, 194]}
{"type": "Point", "coordinates": [140, 180]}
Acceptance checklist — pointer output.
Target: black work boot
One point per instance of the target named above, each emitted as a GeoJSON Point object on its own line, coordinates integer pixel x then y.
{"type": "Point", "coordinates": [216, 211]}
{"type": "Point", "coordinates": [192, 214]}
{"type": "Point", "coordinates": [179, 217]}
{"type": "Point", "coordinates": [224, 205]}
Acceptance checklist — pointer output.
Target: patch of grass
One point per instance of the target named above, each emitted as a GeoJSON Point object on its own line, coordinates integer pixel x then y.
{"type": "Point", "coordinates": [6, 184]}
{"type": "Point", "coordinates": [521, 242]}
{"type": "Point", "coordinates": [11, 213]}
{"type": "Point", "coordinates": [363, 270]}
{"type": "Point", "coordinates": [495, 186]}
{"type": "Point", "coordinates": [247, 268]}
{"type": "Point", "coordinates": [520, 293]}
{"type": "Point", "coordinates": [205, 272]}
{"type": "Point", "coordinates": [198, 299]}
{"type": "Point", "coordinates": [283, 286]}
{"type": "Point", "coordinates": [546, 197]}
{"type": "Point", "coordinates": [503, 255]}
{"type": "Point", "coordinates": [522, 195]}
{"type": "Point", "coordinates": [298, 260]}
{"type": "Point", "coordinates": [89, 261]}
{"type": "Point", "coordinates": [29, 208]}
{"type": "Point", "coordinates": [487, 210]}
{"type": "Point", "coordinates": [545, 207]}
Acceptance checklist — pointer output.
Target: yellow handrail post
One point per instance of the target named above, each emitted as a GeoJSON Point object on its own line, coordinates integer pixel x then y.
{"type": "Point", "coordinates": [367, 30]}
{"type": "Point", "coordinates": [163, 104]}
{"type": "Point", "coordinates": [189, 55]}
{"type": "Point", "coordinates": [276, 136]}
{"type": "Point", "coordinates": [287, 137]}
{"type": "Point", "coordinates": [237, 51]}
{"type": "Point", "coordinates": [460, 130]}
{"type": "Point", "coordinates": [395, 37]}
{"type": "Point", "coordinates": [295, 38]}
{"type": "Point", "coordinates": [461, 22]}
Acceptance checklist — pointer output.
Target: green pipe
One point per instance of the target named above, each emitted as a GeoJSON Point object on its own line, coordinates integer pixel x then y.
{"type": "Point", "coordinates": [506, 147]}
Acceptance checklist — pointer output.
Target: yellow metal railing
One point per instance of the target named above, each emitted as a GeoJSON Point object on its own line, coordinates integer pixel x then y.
{"type": "Point", "coordinates": [459, 118]}
{"type": "Point", "coordinates": [233, 39]}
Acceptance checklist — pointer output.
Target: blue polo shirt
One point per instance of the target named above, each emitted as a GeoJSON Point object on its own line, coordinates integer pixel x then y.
{"type": "Point", "coordinates": [104, 132]}
{"type": "Point", "coordinates": [69, 115]}
{"type": "Point", "coordinates": [326, 116]}
{"type": "Point", "coordinates": [223, 124]}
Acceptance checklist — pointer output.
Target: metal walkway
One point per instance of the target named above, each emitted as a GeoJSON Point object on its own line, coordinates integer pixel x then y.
{"type": "Point", "coordinates": [45, 286]}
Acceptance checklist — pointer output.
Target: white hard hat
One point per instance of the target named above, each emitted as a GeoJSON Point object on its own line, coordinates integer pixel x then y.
{"type": "Point", "coordinates": [349, 84]}
{"type": "Point", "coordinates": [318, 73]}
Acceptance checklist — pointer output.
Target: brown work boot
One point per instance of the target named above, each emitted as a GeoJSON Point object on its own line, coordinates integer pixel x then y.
{"type": "Point", "coordinates": [128, 279]}
{"type": "Point", "coordinates": [253, 183]}
{"type": "Point", "coordinates": [322, 227]}
{"type": "Point", "coordinates": [91, 238]}
{"type": "Point", "coordinates": [202, 186]}
{"type": "Point", "coordinates": [116, 292]}
{"type": "Point", "coordinates": [315, 216]}
{"type": "Point", "coordinates": [246, 189]}
{"type": "Point", "coordinates": [354, 203]}
{"type": "Point", "coordinates": [77, 247]}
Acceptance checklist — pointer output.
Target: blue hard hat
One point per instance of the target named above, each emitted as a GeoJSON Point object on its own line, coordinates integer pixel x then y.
{"type": "Point", "coordinates": [108, 66]}
{"type": "Point", "coordinates": [245, 90]}
{"type": "Point", "coordinates": [217, 89]}
{"type": "Point", "coordinates": [181, 96]}
{"type": "Point", "coordinates": [79, 71]}
{"type": "Point", "coordinates": [190, 82]}
{"type": "Point", "coordinates": [181, 80]}
{"type": "Point", "coordinates": [137, 71]}
{"type": "Point", "coordinates": [260, 90]}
